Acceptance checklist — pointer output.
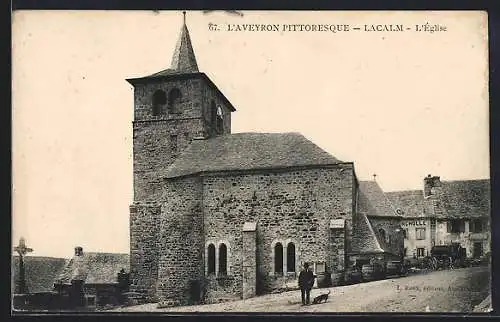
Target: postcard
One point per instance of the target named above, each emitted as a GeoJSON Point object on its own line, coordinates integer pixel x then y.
{"type": "Point", "coordinates": [250, 161]}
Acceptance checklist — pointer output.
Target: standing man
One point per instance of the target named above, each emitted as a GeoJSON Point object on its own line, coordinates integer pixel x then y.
{"type": "Point", "coordinates": [306, 281]}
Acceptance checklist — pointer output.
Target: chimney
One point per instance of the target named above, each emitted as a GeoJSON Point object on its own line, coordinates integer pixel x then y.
{"type": "Point", "coordinates": [78, 251]}
{"type": "Point", "coordinates": [430, 185]}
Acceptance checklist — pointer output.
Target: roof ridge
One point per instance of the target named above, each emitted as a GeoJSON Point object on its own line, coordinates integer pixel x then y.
{"type": "Point", "coordinates": [466, 180]}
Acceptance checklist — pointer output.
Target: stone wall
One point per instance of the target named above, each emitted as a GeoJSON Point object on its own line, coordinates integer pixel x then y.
{"type": "Point", "coordinates": [156, 145]}
{"type": "Point", "coordinates": [394, 241]}
{"type": "Point", "coordinates": [466, 238]}
{"type": "Point", "coordinates": [249, 263]}
{"type": "Point", "coordinates": [181, 266]}
{"type": "Point", "coordinates": [291, 206]}
{"type": "Point", "coordinates": [158, 140]}
{"type": "Point", "coordinates": [336, 259]}
{"type": "Point", "coordinates": [189, 103]}
{"type": "Point", "coordinates": [211, 95]}
{"type": "Point", "coordinates": [143, 247]}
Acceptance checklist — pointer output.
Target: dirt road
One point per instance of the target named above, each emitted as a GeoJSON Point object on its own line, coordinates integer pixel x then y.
{"type": "Point", "coordinates": [442, 291]}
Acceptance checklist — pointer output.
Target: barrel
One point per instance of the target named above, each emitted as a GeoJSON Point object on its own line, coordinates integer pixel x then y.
{"type": "Point", "coordinates": [352, 276]}
{"type": "Point", "coordinates": [393, 268]}
{"type": "Point", "coordinates": [368, 272]}
{"type": "Point", "coordinates": [323, 280]}
{"type": "Point", "coordinates": [337, 278]}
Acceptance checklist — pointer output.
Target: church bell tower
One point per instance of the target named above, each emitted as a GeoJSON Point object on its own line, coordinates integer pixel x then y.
{"type": "Point", "coordinates": [171, 107]}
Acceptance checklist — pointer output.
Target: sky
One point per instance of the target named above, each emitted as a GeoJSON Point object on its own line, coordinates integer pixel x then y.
{"type": "Point", "coordinates": [400, 105]}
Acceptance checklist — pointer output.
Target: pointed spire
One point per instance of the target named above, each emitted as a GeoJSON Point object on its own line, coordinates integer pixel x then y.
{"type": "Point", "coordinates": [184, 59]}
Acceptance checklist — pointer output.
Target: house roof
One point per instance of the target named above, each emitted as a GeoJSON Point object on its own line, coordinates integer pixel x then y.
{"type": "Point", "coordinates": [364, 239]}
{"type": "Point", "coordinates": [95, 268]}
{"type": "Point", "coordinates": [410, 203]}
{"type": "Point", "coordinates": [453, 199]}
{"type": "Point", "coordinates": [373, 201]}
{"type": "Point", "coordinates": [40, 272]}
{"type": "Point", "coordinates": [183, 59]}
{"type": "Point", "coordinates": [464, 198]}
{"type": "Point", "coordinates": [248, 151]}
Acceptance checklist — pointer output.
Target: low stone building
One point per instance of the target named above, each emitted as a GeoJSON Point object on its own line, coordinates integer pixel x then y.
{"type": "Point", "coordinates": [445, 212]}
{"type": "Point", "coordinates": [92, 279]}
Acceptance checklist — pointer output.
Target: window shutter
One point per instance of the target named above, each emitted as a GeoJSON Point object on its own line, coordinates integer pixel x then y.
{"type": "Point", "coordinates": [448, 227]}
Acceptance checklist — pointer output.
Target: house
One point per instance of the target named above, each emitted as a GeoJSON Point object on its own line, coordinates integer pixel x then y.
{"type": "Point", "coordinates": [445, 212]}
{"type": "Point", "coordinates": [92, 279]}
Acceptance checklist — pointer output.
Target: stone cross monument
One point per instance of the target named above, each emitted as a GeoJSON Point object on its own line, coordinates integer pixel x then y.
{"type": "Point", "coordinates": [22, 250]}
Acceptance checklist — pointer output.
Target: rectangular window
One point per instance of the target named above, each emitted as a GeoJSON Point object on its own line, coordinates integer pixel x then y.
{"type": "Point", "coordinates": [420, 233]}
{"type": "Point", "coordinates": [476, 226]}
{"type": "Point", "coordinates": [91, 300]}
{"type": "Point", "coordinates": [456, 226]}
{"type": "Point", "coordinates": [420, 252]}
{"type": "Point", "coordinates": [477, 251]}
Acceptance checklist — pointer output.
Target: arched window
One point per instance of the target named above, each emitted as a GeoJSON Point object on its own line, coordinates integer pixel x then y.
{"type": "Point", "coordinates": [222, 259]}
{"type": "Point", "coordinates": [211, 259]}
{"type": "Point", "coordinates": [382, 234]}
{"type": "Point", "coordinates": [278, 258]}
{"type": "Point", "coordinates": [159, 100]}
{"type": "Point", "coordinates": [213, 113]}
{"type": "Point", "coordinates": [174, 98]}
{"type": "Point", "coordinates": [290, 257]}
{"type": "Point", "coordinates": [220, 120]}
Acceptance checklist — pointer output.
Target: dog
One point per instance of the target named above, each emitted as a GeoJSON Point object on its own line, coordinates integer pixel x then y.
{"type": "Point", "coordinates": [321, 298]}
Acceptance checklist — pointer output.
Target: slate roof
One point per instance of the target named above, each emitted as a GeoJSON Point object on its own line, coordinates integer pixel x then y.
{"type": "Point", "coordinates": [95, 268]}
{"type": "Point", "coordinates": [184, 58]}
{"type": "Point", "coordinates": [373, 201]}
{"type": "Point", "coordinates": [248, 151]}
{"type": "Point", "coordinates": [464, 198]}
{"type": "Point", "coordinates": [461, 198]}
{"type": "Point", "coordinates": [410, 203]}
{"type": "Point", "coordinates": [364, 239]}
{"type": "Point", "coordinates": [40, 272]}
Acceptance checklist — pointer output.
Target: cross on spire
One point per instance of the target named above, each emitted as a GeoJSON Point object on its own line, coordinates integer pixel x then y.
{"type": "Point", "coordinates": [184, 14]}
{"type": "Point", "coordinates": [374, 177]}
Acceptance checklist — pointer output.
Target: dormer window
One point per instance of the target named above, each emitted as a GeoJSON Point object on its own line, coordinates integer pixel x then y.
{"type": "Point", "coordinates": [159, 101]}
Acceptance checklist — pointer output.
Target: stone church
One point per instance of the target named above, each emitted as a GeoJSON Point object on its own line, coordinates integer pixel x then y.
{"type": "Point", "coordinates": [222, 216]}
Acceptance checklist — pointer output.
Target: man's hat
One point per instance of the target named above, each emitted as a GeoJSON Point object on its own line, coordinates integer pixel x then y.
{"type": "Point", "coordinates": [306, 264]}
